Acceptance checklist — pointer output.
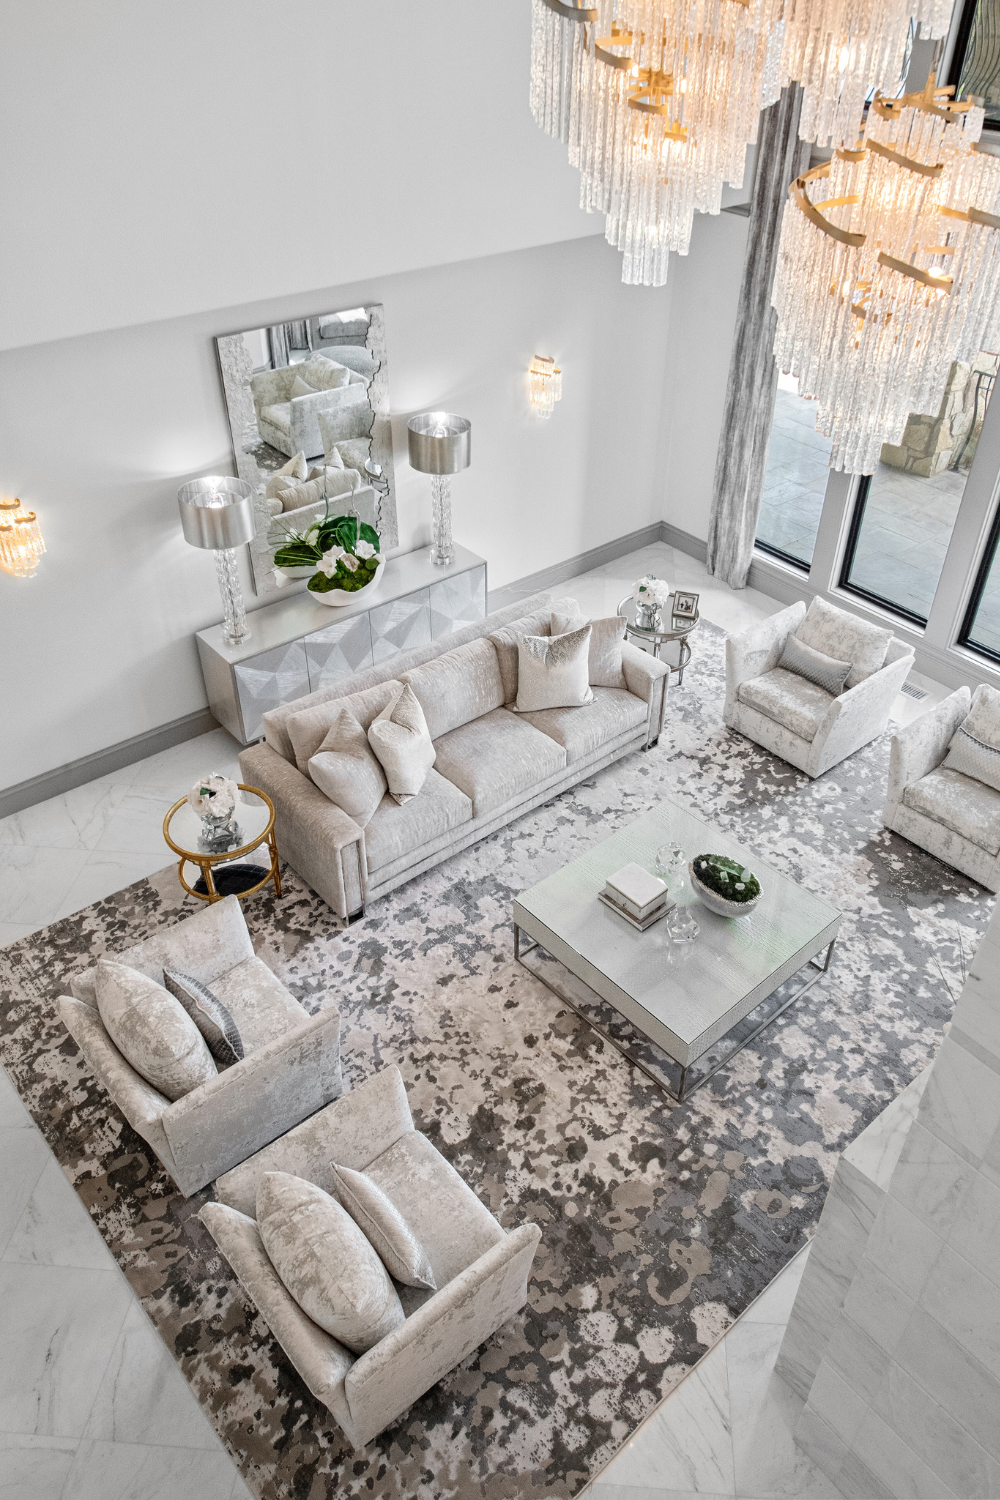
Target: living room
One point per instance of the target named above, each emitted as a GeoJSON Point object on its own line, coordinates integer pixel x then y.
{"type": "Point", "coordinates": [499, 807]}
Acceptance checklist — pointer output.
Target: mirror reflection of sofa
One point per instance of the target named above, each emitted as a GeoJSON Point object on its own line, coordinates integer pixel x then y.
{"type": "Point", "coordinates": [290, 421]}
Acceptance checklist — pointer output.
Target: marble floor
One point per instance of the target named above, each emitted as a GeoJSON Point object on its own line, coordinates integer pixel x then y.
{"type": "Point", "coordinates": [91, 1403]}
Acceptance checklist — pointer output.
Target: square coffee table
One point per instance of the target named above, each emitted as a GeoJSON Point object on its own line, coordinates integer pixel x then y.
{"type": "Point", "coordinates": [689, 999]}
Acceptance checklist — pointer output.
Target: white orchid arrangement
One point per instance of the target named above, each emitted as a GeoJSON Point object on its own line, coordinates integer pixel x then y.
{"type": "Point", "coordinates": [343, 549]}
{"type": "Point", "coordinates": [652, 591]}
{"type": "Point", "coordinates": [214, 796]}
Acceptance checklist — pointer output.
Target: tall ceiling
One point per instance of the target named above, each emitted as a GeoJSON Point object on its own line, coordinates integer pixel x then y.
{"type": "Point", "coordinates": [166, 159]}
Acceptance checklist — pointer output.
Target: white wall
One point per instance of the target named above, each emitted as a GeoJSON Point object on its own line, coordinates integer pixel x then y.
{"type": "Point", "coordinates": [164, 159]}
{"type": "Point", "coordinates": [101, 430]}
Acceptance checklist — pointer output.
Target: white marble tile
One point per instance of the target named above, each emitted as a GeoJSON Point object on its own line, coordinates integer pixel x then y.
{"type": "Point", "coordinates": [34, 1468]}
{"type": "Point", "coordinates": [12, 1111]}
{"type": "Point", "coordinates": [23, 1158]}
{"type": "Point", "coordinates": [975, 1234]}
{"type": "Point", "coordinates": [135, 1471]}
{"type": "Point", "coordinates": [55, 1229]}
{"type": "Point", "coordinates": [763, 1412]}
{"type": "Point", "coordinates": [13, 932]}
{"type": "Point", "coordinates": [775, 1303]}
{"type": "Point", "coordinates": [35, 882]}
{"type": "Point", "coordinates": [73, 820]}
{"type": "Point", "coordinates": [875, 1151]}
{"type": "Point", "coordinates": [962, 1099]}
{"type": "Point", "coordinates": [240, 1490]}
{"type": "Point", "coordinates": [686, 1444]}
{"type": "Point", "coordinates": [143, 1397]}
{"type": "Point", "coordinates": [603, 1491]}
{"type": "Point", "coordinates": [137, 825]}
{"type": "Point", "coordinates": [170, 774]}
{"type": "Point", "coordinates": [106, 872]}
{"type": "Point", "coordinates": [965, 1304]}
{"type": "Point", "coordinates": [60, 1325]}
{"type": "Point", "coordinates": [931, 1179]}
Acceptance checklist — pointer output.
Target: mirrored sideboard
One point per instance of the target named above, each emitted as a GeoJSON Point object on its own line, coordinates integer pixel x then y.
{"type": "Point", "coordinates": [297, 646]}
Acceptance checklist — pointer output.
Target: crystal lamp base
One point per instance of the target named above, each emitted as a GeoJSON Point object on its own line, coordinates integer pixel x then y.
{"type": "Point", "coordinates": [442, 547]}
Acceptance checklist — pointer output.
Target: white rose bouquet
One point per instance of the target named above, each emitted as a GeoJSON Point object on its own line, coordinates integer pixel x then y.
{"type": "Point", "coordinates": [652, 592]}
{"type": "Point", "coordinates": [214, 796]}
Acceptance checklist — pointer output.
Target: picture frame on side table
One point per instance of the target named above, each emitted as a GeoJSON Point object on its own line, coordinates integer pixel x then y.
{"type": "Point", "coordinates": [685, 606]}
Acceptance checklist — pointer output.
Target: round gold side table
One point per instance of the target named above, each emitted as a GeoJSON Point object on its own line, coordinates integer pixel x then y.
{"type": "Point", "coordinates": [254, 818]}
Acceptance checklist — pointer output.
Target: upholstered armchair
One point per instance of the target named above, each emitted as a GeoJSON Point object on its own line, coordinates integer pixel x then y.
{"type": "Point", "coordinates": [481, 1271]}
{"type": "Point", "coordinates": [954, 817]}
{"type": "Point", "coordinates": [291, 1065]}
{"type": "Point", "coordinates": [291, 423]}
{"type": "Point", "coordinates": [796, 718]}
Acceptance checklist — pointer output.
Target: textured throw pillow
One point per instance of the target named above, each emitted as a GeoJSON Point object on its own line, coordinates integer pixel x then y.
{"type": "Point", "coordinates": [384, 1227]}
{"type": "Point", "coordinates": [845, 638]}
{"type": "Point", "coordinates": [553, 671]}
{"type": "Point", "coordinates": [504, 642]}
{"type": "Point", "coordinates": [570, 617]}
{"type": "Point", "coordinates": [307, 729]}
{"type": "Point", "coordinates": [334, 460]}
{"type": "Point", "coordinates": [300, 388]}
{"type": "Point", "coordinates": [983, 719]}
{"type": "Point", "coordinates": [152, 1030]}
{"type": "Point", "coordinates": [973, 758]}
{"type": "Point", "coordinates": [402, 744]}
{"type": "Point", "coordinates": [325, 1262]}
{"type": "Point", "coordinates": [208, 1013]}
{"type": "Point", "coordinates": [606, 637]}
{"type": "Point", "coordinates": [324, 374]}
{"type": "Point", "coordinates": [353, 453]}
{"type": "Point", "coordinates": [345, 769]}
{"type": "Point", "coordinates": [806, 662]}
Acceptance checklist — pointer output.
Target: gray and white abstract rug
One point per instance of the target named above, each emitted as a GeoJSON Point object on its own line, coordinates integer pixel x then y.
{"type": "Point", "coordinates": [660, 1223]}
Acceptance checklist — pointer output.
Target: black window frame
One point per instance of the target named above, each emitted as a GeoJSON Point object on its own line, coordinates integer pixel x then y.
{"type": "Point", "coordinates": [978, 590]}
{"type": "Point", "coordinates": [853, 536]}
{"type": "Point", "coordinates": [785, 557]}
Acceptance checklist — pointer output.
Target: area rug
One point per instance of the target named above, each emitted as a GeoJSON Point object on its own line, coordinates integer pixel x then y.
{"type": "Point", "coordinates": [660, 1223]}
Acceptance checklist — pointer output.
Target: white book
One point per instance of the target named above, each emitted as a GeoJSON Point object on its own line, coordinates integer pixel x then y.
{"type": "Point", "coordinates": [637, 886]}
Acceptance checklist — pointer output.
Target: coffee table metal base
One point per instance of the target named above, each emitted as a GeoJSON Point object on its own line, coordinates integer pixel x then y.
{"type": "Point", "coordinates": [686, 1086]}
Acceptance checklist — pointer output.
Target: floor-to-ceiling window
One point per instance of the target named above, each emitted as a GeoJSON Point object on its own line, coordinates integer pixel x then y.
{"type": "Point", "coordinates": [798, 467]}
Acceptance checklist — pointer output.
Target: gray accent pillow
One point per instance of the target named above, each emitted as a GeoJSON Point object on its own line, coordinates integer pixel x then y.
{"type": "Point", "coordinates": [301, 388]}
{"type": "Point", "coordinates": [402, 744]}
{"type": "Point", "coordinates": [806, 661]}
{"type": "Point", "coordinates": [553, 671]}
{"type": "Point", "coordinates": [152, 1030]}
{"type": "Point", "coordinates": [325, 1262]}
{"type": "Point", "coordinates": [346, 769]}
{"type": "Point", "coordinates": [846, 638]}
{"type": "Point", "coordinates": [384, 1227]}
{"type": "Point", "coordinates": [983, 719]}
{"type": "Point", "coordinates": [973, 758]}
{"type": "Point", "coordinates": [606, 637]}
{"type": "Point", "coordinates": [208, 1013]}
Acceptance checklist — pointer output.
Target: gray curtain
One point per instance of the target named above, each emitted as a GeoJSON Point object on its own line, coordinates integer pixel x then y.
{"type": "Point", "coordinates": [753, 374]}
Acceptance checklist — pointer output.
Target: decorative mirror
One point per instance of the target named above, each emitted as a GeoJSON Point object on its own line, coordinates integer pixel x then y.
{"type": "Point", "coordinates": [308, 409]}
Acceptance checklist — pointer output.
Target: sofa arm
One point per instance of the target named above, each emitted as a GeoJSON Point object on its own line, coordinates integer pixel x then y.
{"type": "Point", "coordinates": [226, 1120]}
{"type": "Point", "coordinates": [385, 1381]}
{"type": "Point", "coordinates": [648, 679]}
{"type": "Point", "coordinates": [921, 746]}
{"type": "Point", "coordinates": [315, 836]}
{"type": "Point", "coordinates": [858, 715]}
{"type": "Point", "coordinates": [758, 649]}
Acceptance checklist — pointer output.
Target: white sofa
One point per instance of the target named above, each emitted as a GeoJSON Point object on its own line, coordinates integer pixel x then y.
{"type": "Point", "coordinates": [481, 1271]}
{"type": "Point", "coordinates": [290, 1069]}
{"type": "Point", "coordinates": [492, 765]}
{"type": "Point", "coordinates": [291, 423]}
{"type": "Point", "coordinates": [804, 724]}
{"type": "Point", "coordinates": [952, 816]}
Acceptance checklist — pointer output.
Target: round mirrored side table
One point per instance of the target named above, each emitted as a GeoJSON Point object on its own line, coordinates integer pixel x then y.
{"type": "Point", "coordinates": [220, 875]}
{"type": "Point", "coordinates": [672, 629]}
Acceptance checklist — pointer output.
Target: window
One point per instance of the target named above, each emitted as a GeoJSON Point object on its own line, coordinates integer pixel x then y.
{"type": "Point", "coordinates": [981, 626]}
{"type": "Point", "coordinates": [798, 467]}
{"type": "Point", "coordinates": [904, 513]}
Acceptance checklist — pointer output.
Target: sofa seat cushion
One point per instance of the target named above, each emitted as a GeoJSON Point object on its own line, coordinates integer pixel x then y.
{"type": "Point", "coordinates": [582, 731]}
{"type": "Point", "coordinates": [790, 700]}
{"type": "Point", "coordinates": [279, 415]}
{"type": "Point", "coordinates": [443, 1212]}
{"type": "Point", "coordinates": [259, 1004]}
{"type": "Point", "coordinates": [458, 686]}
{"type": "Point", "coordinates": [494, 758]}
{"type": "Point", "coordinates": [967, 807]}
{"type": "Point", "coordinates": [397, 830]}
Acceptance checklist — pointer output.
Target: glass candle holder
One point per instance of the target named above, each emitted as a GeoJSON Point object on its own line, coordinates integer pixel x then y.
{"type": "Point", "coordinates": [669, 863]}
{"type": "Point", "coordinates": [683, 925]}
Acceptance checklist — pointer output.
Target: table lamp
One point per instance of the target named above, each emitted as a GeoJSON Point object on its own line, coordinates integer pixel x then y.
{"type": "Point", "coordinates": [217, 514]}
{"type": "Point", "coordinates": [440, 445]}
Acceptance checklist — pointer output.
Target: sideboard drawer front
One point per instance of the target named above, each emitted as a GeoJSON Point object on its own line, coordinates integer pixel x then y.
{"type": "Point", "coordinates": [458, 601]}
{"type": "Point", "coordinates": [268, 680]}
{"type": "Point", "coordinates": [338, 650]}
{"type": "Point", "coordinates": [401, 625]}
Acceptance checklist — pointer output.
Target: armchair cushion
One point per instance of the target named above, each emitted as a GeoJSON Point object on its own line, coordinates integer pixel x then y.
{"type": "Point", "coordinates": [385, 1228]}
{"type": "Point", "coordinates": [397, 830]}
{"type": "Point", "coordinates": [221, 1033]}
{"type": "Point", "coordinates": [959, 803]}
{"type": "Point", "coordinates": [152, 1030]}
{"type": "Point", "coordinates": [825, 671]}
{"type": "Point", "coordinates": [300, 388]}
{"type": "Point", "coordinates": [279, 415]}
{"type": "Point", "coordinates": [973, 758]}
{"type": "Point", "coordinates": [845, 637]}
{"type": "Point", "coordinates": [353, 453]}
{"type": "Point", "coordinates": [790, 700]}
{"type": "Point", "coordinates": [259, 1004]}
{"type": "Point", "coordinates": [324, 374]}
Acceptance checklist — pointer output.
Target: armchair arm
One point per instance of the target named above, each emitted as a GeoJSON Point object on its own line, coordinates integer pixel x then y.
{"type": "Point", "coordinates": [382, 1383]}
{"type": "Point", "coordinates": [141, 1104]}
{"type": "Point", "coordinates": [921, 746]}
{"type": "Point", "coordinates": [648, 679]}
{"type": "Point", "coordinates": [758, 649]}
{"type": "Point", "coordinates": [227, 1119]}
{"type": "Point", "coordinates": [858, 715]}
{"type": "Point", "coordinates": [318, 839]}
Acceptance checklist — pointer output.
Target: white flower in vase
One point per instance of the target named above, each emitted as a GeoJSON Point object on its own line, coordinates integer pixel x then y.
{"type": "Point", "coordinates": [651, 591]}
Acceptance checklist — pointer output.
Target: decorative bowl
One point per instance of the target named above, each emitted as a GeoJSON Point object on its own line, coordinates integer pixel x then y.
{"type": "Point", "coordinates": [337, 597]}
{"type": "Point", "coordinates": [717, 903]}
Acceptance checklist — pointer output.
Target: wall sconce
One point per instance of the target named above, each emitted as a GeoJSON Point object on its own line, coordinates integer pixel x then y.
{"type": "Point", "coordinates": [546, 384]}
{"type": "Point", "coordinates": [217, 514]}
{"type": "Point", "coordinates": [21, 542]}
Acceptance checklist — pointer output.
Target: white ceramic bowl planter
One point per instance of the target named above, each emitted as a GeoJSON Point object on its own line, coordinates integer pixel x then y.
{"type": "Point", "coordinates": [337, 597]}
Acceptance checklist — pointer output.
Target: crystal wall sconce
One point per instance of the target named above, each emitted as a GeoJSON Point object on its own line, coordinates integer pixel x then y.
{"type": "Point", "coordinates": [546, 384]}
{"type": "Point", "coordinates": [21, 542]}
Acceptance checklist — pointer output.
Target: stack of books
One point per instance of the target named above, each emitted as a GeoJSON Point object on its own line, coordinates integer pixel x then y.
{"type": "Point", "coordinates": [636, 895]}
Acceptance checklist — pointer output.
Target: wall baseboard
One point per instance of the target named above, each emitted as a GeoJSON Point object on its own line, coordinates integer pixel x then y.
{"type": "Point", "coordinates": [103, 762]}
{"type": "Point", "coordinates": [684, 541]}
{"type": "Point", "coordinates": [584, 562]}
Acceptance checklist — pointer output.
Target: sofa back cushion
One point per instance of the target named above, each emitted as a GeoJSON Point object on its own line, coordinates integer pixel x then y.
{"type": "Point", "coordinates": [309, 728]}
{"type": "Point", "coordinates": [505, 643]}
{"type": "Point", "coordinates": [346, 769]}
{"type": "Point", "coordinates": [457, 687]}
{"type": "Point", "coordinates": [846, 638]}
{"type": "Point", "coordinates": [983, 719]}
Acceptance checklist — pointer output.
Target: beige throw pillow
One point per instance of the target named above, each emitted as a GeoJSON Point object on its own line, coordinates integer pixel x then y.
{"type": "Point", "coordinates": [983, 719]}
{"type": "Point", "coordinates": [152, 1030]}
{"type": "Point", "coordinates": [384, 1227]}
{"type": "Point", "coordinates": [325, 1262]}
{"type": "Point", "coordinates": [345, 769]}
{"type": "Point", "coordinates": [401, 741]}
{"type": "Point", "coordinates": [300, 388]}
{"type": "Point", "coordinates": [553, 671]}
{"type": "Point", "coordinates": [353, 453]}
{"type": "Point", "coordinates": [606, 637]}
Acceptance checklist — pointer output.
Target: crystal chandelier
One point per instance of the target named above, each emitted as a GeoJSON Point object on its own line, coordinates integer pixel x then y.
{"type": "Point", "coordinates": [21, 542]}
{"type": "Point", "coordinates": [657, 100]}
{"type": "Point", "coordinates": [888, 270]}
{"type": "Point", "coordinates": [546, 384]}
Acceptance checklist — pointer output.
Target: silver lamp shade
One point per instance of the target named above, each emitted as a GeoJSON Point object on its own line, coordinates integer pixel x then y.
{"type": "Point", "coordinates": [216, 512]}
{"type": "Point", "coordinates": [440, 442]}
